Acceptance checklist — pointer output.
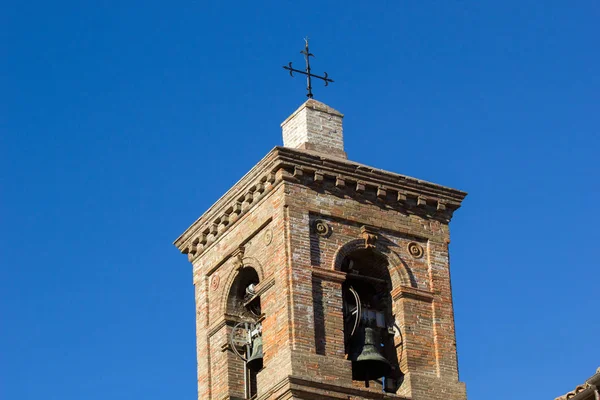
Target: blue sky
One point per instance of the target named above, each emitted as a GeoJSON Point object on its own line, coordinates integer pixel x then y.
{"type": "Point", "coordinates": [122, 122]}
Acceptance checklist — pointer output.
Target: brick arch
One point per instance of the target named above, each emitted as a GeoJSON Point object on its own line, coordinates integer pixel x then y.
{"type": "Point", "coordinates": [256, 265]}
{"type": "Point", "coordinates": [399, 271]}
{"type": "Point", "coordinates": [247, 262]}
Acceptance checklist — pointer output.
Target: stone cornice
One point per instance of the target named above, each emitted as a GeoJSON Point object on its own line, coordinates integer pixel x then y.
{"type": "Point", "coordinates": [313, 169]}
{"type": "Point", "coordinates": [360, 173]}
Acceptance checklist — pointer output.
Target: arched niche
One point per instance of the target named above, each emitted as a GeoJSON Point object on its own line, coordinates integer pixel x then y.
{"type": "Point", "coordinates": [250, 271]}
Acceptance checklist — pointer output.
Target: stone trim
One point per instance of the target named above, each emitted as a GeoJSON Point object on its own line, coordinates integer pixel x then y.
{"type": "Point", "coordinates": [217, 326]}
{"type": "Point", "coordinates": [221, 322]}
{"type": "Point", "coordinates": [262, 287]}
{"type": "Point", "coordinates": [412, 293]}
{"type": "Point", "coordinates": [329, 275]}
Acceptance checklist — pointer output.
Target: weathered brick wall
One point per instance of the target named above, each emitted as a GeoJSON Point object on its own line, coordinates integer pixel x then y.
{"type": "Point", "coordinates": [271, 227]}
{"type": "Point", "coordinates": [261, 233]}
{"type": "Point", "coordinates": [425, 317]}
{"type": "Point", "coordinates": [295, 129]}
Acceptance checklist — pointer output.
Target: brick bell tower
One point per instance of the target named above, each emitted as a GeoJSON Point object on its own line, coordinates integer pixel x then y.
{"type": "Point", "coordinates": [317, 277]}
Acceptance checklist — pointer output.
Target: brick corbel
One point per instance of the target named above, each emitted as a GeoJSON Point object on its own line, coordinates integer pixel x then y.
{"type": "Point", "coordinates": [236, 211]}
{"type": "Point", "coordinates": [318, 177]}
{"type": "Point", "coordinates": [212, 233]}
{"type": "Point", "coordinates": [401, 198]}
{"type": "Point", "coordinates": [196, 247]}
{"type": "Point", "coordinates": [259, 190]}
{"type": "Point", "coordinates": [360, 187]}
{"type": "Point", "coordinates": [298, 172]}
{"type": "Point", "coordinates": [248, 199]}
{"type": "Point", "coordinates": [223, 222]}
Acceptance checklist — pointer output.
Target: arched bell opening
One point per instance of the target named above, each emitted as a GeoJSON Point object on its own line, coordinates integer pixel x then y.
{"type": "Point", "coordinates": [244, 316]}
{"type": "Point", "coordinates": [242, 301]}
{"type": "Point", "coordinates": [369, 320]}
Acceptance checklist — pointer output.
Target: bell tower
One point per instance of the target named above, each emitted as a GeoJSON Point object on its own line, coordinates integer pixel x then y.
{"type": "Point", "coordinates": [317, 277]}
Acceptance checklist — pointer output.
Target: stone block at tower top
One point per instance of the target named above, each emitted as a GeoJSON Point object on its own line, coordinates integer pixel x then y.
{"type": "Point", "coordinates": [315, 126]}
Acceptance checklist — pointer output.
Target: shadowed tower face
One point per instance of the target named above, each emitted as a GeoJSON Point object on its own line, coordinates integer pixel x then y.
{"type": "Point", "coordinates": [320, 278]}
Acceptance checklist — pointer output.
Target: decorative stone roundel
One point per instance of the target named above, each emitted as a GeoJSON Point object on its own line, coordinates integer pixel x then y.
{"type": "Point", "coordinates": [268, 237]}
{"type": "Point", "coordinates": [214, 282]}
{"type": "Point", "coordinates": [415, 250]}
{"type": "Point", "coordinates": [322, 228]}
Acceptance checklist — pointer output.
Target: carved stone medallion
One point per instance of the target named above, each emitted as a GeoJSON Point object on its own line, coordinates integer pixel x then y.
{"type": "Point", "coordinates": [321, 227]}
{"type": "Point", "coordinates": [268, 237]}
{"type": "Point", "coordinates": [214, 282]}
{"type": "Point", "coordinates": [415, 250]}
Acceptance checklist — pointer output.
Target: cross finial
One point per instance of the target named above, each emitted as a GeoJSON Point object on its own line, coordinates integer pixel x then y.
{"type": "Point", "coordinates": [307, 55]}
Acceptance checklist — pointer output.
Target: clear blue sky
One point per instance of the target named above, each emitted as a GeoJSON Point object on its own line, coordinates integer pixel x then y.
{"type": "Point", "coordinates": [122, 121]}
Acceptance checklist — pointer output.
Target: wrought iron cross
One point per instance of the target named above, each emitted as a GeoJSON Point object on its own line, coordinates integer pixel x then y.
{"type": "Point", "coordinates": [307, 55]}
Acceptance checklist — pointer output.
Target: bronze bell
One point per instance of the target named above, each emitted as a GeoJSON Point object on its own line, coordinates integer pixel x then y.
{"type": "Point", "coordinates": [255, 361]}
{"type": "Point", "coordinates": [367, 361]}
